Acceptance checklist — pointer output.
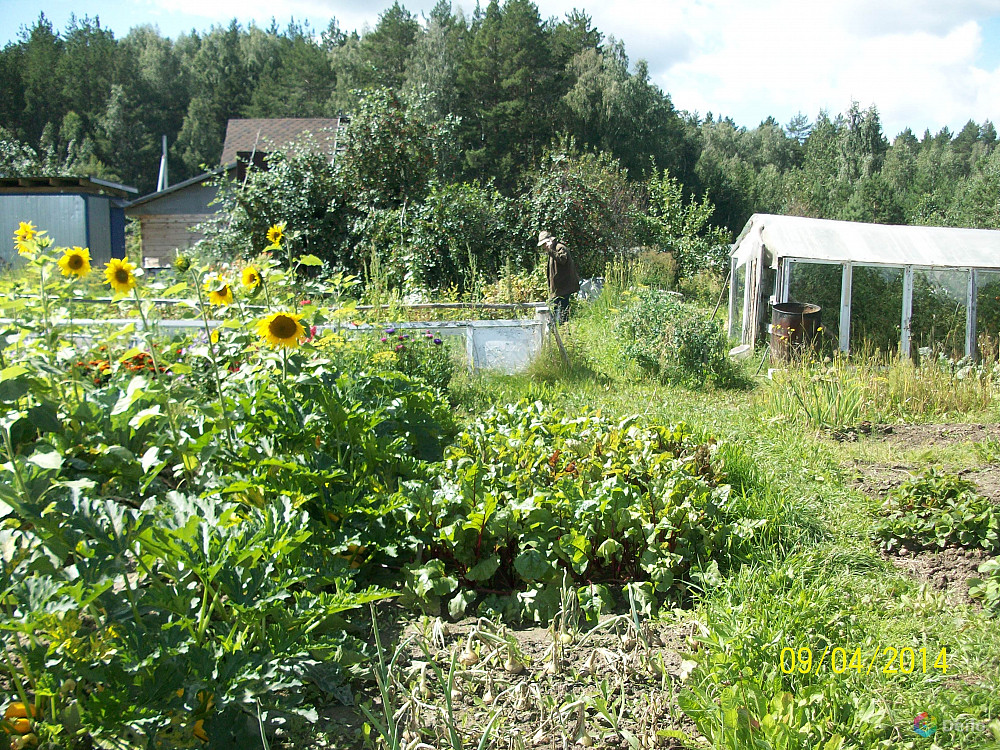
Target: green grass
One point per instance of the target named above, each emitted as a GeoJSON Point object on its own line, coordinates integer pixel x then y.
{"type": "Point", "coordinates": [875, 388]}
{"type": "Point", "coordinates": [816, 580]}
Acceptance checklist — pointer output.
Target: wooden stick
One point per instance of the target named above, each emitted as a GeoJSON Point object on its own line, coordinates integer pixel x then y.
{"type": "Point", "coordinates": [562, 349]}
{"type": "Point", "coordinates": [721, 295]}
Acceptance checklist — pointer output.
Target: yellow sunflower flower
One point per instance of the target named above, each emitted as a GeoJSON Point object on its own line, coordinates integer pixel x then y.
{"type": "Point", "coordinates": [118, 274]}
{"type": "Point", "coordinates": [251, 277]}
{"type": "Point", "coordinates": [281, 330]}
{"type": "Point", "coordinates": [75, 261]}
{"type": "Point", "coordinates": [26, 238]}
{"type": "Point", "coordinates": [275, 235]}
{"type": "Point", "coordinates": [219, 293]}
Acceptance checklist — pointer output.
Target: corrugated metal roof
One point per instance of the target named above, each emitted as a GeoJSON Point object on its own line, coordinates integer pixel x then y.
{"type": "Point", "coordinates": [825, 239]}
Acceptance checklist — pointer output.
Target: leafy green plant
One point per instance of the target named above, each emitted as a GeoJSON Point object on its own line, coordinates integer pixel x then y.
{"type": "Point", "coordinates": [936, 510]}
{"type": "Point", "coordinates": [528, 494]}
{"type": "Point", "coordinates": [657, 269]}
{"type": "Point", "coordinates": [674, 342]}
{"type": "Point", "coordinates": [179, 518]}
{"type": "Point", "coordinates": [988, 587]}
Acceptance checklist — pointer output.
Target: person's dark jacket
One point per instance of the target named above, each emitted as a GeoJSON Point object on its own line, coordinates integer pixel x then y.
{"type": "Point", "coordinates": [561, 272]}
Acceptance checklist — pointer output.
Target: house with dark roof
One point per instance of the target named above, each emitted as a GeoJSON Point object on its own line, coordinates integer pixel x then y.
{"type": "Point", "coordinates": [84, 211]}
{"type": "Point", "coordinates": [170, 218]}
{"type": "Point", "coordinates": [248, 141]}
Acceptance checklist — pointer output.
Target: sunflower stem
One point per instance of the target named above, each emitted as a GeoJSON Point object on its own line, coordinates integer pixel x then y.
{"type": "Point", "coordinates": [215, 362]}
{"type": "Point", "coordinates": [146, 332]}
{"type": "Point", "coordinates": [72, 340]}
{"type": "Point", "coordinates": [267, 294]}
{"type": "Point", "coordinates": [156, 376]}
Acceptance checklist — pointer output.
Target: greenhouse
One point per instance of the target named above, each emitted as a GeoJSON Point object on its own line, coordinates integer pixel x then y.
{"type": "Point", "coordinates": [889, 287]}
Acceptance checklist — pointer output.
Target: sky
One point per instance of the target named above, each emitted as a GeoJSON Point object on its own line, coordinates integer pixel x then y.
{"type": "Point", "coordinates": [925, 64]}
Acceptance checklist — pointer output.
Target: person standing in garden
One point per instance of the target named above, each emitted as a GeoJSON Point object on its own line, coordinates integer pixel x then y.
{"type": "Point", "coordinates": [564, 281]}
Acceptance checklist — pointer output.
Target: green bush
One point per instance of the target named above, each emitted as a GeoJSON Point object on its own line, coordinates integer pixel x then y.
{"type": "Point", "coordinates": [673, 341]}
{"type": "Point", "coordinates": [937, 510]}
{"type": "Point", "coordinates": [584, 199]}
{"type": "Point", "coordinates": [656, 269]}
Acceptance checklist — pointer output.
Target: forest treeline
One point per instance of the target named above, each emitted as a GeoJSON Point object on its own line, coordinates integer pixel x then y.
{"type": "Point", "coordinates": [508, 82]}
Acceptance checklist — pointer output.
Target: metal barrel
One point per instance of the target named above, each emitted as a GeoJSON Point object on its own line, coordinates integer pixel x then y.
{"type": "Point", "coordinates": [794, 326]}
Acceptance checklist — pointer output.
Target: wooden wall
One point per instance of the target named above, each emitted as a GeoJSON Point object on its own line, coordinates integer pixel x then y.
{"type": "Point", "coordinates": [163, 236]}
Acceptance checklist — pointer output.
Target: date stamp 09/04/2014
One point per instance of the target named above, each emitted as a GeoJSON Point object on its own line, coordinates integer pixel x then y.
{"type": "Point", "coordinates": [886, 660]}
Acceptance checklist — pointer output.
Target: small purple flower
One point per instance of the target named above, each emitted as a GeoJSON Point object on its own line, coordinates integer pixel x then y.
{"type": "Point", "coordinates": [437, 341]}
{"type": "Point", "coordinates": [403, 337]}
{"type": "Point", "coordinates": [390, 330]}
{"type": "Point", "coordinates": [384, 339]}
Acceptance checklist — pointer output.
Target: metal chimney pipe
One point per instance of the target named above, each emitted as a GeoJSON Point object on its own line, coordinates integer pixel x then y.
{"type": "Point", "coordinates": [161, 181]}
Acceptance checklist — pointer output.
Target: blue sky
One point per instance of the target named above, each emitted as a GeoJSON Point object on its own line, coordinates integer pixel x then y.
{"type": "Point", "coordinates": [924, 64]}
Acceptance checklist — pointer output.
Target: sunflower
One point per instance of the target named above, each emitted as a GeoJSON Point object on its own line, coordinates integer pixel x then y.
{"type": "Point", "coordinates": [119, 275]}
{"type": "Point", "coordinates": [75, 262]}
{"type": "Point", "coordinates": [251, 277]}
{"type": "Point", "coordinates": [219, 292]}
{"type": "Point", "coordinates": [281, 329]}
{"type": "Point", "coordinates": [275, 235]}
{"type": "Point", "coordinates": [26, 238]}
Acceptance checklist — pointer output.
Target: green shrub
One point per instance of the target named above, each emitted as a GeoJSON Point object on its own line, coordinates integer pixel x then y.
{"type": "Point", "coordinates": [656, 269]}
{"type": "Point", "coordinates": [937, 510]}
{"type": "Point", "coordinates": [673, 341]}
{"type": "Point", "coordinates": [702, 288]}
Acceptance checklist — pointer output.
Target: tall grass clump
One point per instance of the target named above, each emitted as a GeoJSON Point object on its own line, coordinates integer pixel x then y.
{"type": "Point", "coordinates": [740, 694]}
{"type": "Point", "coordinates": [873, 387]}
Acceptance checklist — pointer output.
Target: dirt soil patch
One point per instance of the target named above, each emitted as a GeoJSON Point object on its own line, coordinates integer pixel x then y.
{"type": "Point", "coordinates": [878, 479]}
{"type": "Point", "coordinates": [947, 570]}
{"type": "Point", "coordinates": [912, 436]}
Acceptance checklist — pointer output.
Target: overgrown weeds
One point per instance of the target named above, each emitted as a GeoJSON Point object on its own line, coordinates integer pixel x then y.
{"type": "Point", "coordinates": [845, 391]}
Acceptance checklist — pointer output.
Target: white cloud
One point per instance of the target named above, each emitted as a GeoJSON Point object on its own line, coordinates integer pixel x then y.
{"type": "Point", "coordinates": [918, 67]}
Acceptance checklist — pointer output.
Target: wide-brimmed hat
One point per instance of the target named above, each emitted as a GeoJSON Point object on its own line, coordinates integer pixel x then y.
{"type": "Point", "coordinates": [544, 237]}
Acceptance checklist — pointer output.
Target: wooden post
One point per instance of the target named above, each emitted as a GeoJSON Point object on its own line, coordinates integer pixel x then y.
{"type": "Point", "coordinates": [733, 270]}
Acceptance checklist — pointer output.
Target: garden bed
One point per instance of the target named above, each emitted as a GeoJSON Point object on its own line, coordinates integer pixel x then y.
{"type": "Point", "coordinates": [526, 701]}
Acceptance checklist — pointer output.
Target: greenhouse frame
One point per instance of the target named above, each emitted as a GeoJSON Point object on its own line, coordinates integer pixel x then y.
{"type": "Point", "coordinates": [887, 286]}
